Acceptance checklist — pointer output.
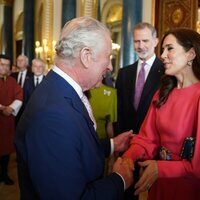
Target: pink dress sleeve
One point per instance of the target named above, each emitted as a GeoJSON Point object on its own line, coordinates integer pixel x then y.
{"type": "Point", "coordinates": [145, 145]}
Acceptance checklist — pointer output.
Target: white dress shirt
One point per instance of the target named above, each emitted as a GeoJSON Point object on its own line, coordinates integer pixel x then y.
{"type": "Point", "coordinates": [23, 74]}
{"type": "Point", "coordinates": [15, 105]}
{"type": "Point", "coordinates": [38, 78]}
{"type": "Point", "coordinates": [147, 67]}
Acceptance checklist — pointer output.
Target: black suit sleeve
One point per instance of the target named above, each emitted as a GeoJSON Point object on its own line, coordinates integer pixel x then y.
{"type": "Point", "coordinates": [119, 87]}
{"type": "Point", "coordinates": [106, 146]}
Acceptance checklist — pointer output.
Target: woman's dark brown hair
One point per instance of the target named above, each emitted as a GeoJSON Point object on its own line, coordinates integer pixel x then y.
{"type": "Point", "coordinates": [188, 39]}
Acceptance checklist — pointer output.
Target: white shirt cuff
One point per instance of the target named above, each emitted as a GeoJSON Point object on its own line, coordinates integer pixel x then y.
{"type": "Point", "coordinates": [16, 105]}
{"type": "Point", "coordinates": [111, 146]}
{"type": "Point", "coordinates": [122, 179]}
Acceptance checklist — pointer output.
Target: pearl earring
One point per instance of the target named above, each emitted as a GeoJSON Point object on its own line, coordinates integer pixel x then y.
{"type": "Point", "coordinates": [189, 63]}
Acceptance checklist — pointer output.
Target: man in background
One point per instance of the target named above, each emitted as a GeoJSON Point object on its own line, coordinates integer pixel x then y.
{"type": "Point", "coordinates": [137, 83]}
{"type": "Point", "coordinates": [23, 74]}
{"type": "Point", "coordinates": [38, 69]}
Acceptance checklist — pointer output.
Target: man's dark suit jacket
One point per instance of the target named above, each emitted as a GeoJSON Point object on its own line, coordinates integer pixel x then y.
{"type": "Point", "coordinates": [59, 154]}
{"type": "Point", "coordinates": [29, 74]}
{"type": "Point", "coordinates": [128, 117]}
{"type": "Point", "coordinates": [29, 87]}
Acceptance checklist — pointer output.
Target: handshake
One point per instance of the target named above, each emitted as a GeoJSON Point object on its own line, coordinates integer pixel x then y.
{"type": "Point", "coordinates": [124, 166]}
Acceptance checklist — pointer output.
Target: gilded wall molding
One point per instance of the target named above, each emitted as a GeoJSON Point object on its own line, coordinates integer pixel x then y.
{"type": "Point", "coordinates": [89, 8]}
{"type": "Point", "coordinates": [6, 2]}
{"type": "Point", "coordinates": [107, 8]}
{"type": "Point", "coordinates": [47, 24]}
{"type": "Point", "coordinates": [177, 13]}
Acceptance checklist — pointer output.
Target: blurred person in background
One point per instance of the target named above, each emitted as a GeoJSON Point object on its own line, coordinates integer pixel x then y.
{"type": "Point", "coordinates": [38, 69]}
{"type": "Point", "coordinates": [11, 96]}
{"type": "Point", "coordinates": [23, 74]}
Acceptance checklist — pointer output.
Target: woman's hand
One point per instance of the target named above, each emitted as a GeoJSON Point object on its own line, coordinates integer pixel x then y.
{"type": "Point", "coordinates": [149, 176]}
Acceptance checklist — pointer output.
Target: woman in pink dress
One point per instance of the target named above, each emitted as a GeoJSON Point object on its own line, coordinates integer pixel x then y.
{"type": "Point", "coordinates": [172, 170]}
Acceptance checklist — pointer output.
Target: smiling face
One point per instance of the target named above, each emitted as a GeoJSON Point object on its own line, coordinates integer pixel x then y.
{"type": "Point", "coordinates": [174, 57]}
{"type": "Point", "coordinates": [144, 43]}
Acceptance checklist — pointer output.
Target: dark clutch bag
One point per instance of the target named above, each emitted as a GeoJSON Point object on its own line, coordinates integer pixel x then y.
{"type": "Point", "coordinates": [188, 148]}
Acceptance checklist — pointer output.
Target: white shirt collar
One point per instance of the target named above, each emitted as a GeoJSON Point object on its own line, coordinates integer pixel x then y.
{"type": "Point", "coordinates": [149, 62]}
{"type": "Point", "coordinates": [39, 77]}
{"type": "Point", "coordinates": [147, 67]}
{"type": "Point", "coordinates": [23, 72]}
{"type": "Point", "coordinates": [73, 83]}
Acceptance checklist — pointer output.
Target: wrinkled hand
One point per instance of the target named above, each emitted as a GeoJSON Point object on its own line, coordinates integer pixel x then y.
{"type": "Point", "coordinates": [129, 162]}
{"type": "Point", "coordinates": [7, 110]}
{"type": "Point", "coordinates": [122, 141]}
{"type": "Point", "coordinates": [125, 169]}
{"type": "Point", "coordinates": [149, 176]}
{"type": "Point", "coordinates": [1, 107]}
{"type": "Point", "coordinates": [111, 161]}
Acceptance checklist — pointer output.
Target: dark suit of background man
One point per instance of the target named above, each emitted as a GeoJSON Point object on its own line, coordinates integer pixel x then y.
{"type": "Point", "coordinates": [58, 151]}
{"type": "Point", "coordinates": [23, 74]}
{"type": "Point", "coordinates": [38, 69]}
{"type": "Point", "coordinates": [131, 117]}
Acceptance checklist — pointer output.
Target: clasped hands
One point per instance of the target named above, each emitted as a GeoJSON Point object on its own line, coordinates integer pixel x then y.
{"type": "Point", "coordinates": [6, 110]}
{"type": "Point", "coordinates": [121, 166]}
{"type": "Point", "coordinates": [148, 176]}
{"type": "Point", "coordinates": [125, 166]}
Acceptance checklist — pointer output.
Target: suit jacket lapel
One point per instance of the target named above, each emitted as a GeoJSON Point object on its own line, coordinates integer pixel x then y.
{"type": "Point", "coordinates": [71, 96]}
{"type": "Point", "coordinates": [80, 107]}
{"type": "Point", "coordinates": [32, 83]}
{"type": "Point", "coordinates": [153, 76]}
{"type": "Point", "coordinates": [131, 82]}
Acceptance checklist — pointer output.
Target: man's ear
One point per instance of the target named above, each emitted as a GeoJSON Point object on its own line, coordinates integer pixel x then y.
{"type": "Point", "coordinates": [156, 40]}
{"type": "Point", "coordinates": [86, 56]}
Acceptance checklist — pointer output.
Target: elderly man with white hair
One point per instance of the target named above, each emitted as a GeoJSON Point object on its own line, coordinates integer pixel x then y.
{"type": "Point", "coordinates": [59, 153]}
{"type": "Point", "coordinates": [38, 69]}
